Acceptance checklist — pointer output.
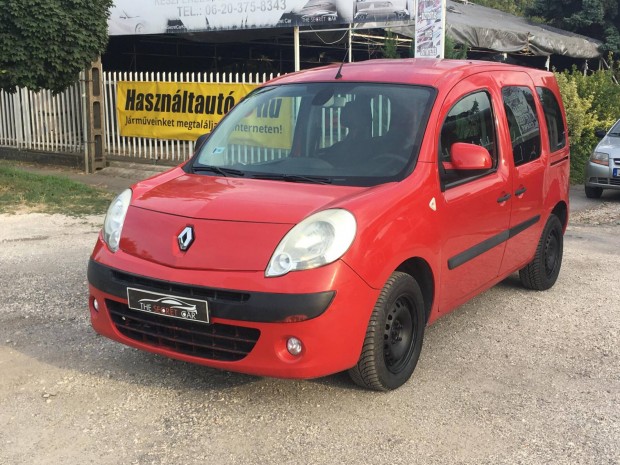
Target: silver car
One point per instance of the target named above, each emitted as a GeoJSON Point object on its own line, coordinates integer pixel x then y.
{"type": "Point", "coordinates": [603, 168]}
{"type": "Point", "coordinates": [380, 10]}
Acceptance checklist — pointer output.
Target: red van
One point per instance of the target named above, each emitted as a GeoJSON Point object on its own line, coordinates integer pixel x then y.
{"type": "Point", "coordinates": [334, 213]}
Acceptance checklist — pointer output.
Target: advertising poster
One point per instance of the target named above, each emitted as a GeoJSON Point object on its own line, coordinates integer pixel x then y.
{"type": "Point", "coordinates": [131, 17]}
{"type": "Point", "coordinates": [270, 126]}
{"type": "Point", "coordinates": [429, 27]}
{"type": "Point", "coordinates": [174, 110]}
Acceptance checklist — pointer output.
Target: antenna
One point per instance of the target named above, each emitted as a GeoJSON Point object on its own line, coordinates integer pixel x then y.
{"type": "Point", "coordinates": [339, 73]}
{"type": "Point", "coordinates": [347, 51]}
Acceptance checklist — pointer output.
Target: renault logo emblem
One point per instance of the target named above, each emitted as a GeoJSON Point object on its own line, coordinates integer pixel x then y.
{"type": "Point", "coordinates": [186, 238]}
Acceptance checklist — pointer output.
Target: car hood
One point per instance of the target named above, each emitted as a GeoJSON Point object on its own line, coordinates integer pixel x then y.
{"type": "Point", "coordinates": [237, 199]}
{"type": "Point", "coordinates": [610, 145]}
{"type": "Point", "coordinates": [236, 224]}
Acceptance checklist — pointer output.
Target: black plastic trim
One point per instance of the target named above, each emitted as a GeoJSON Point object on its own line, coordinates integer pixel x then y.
{"type": "Point", "coordinates": [488, 244]}
{"type": "Point", "coordinates": [477, 250]}
{"type": "Point", "coordinates": [557, 162]}
{"type": "Point", "coordinates": [523, 226]}
{"type": "Point", "coordinates": [223, 303]}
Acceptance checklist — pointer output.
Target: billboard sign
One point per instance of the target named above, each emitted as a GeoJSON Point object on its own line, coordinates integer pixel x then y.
{"type": "Point", "coordinates": [131, 17]}
{"type": "Point", "coordinates": [430, 23]}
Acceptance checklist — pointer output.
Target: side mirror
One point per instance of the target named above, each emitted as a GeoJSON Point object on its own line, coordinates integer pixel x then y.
{"type": "Point", "coordinates": [600, 133]}
{"type": "Point", "coordinates": [470, 157]}
{"type": "Point", "coordinates": [200, 141]}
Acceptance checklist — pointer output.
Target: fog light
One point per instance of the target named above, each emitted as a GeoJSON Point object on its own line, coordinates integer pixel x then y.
{"type": "Point", "coordinates": [293, 345]}
{"type": "Point", "coordinates": [96, 305]}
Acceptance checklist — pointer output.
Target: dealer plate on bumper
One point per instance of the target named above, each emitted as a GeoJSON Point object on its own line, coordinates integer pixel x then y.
{"type": "Point", "coordinates": [168, 305]}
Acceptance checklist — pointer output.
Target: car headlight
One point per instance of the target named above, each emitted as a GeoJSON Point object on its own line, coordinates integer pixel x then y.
{"type": "Point", "coordinates": [318, 240]}
{"type": "Point", "coordinates": [600, 158]}
{"type": "Point", "coordinates": [115, 218]}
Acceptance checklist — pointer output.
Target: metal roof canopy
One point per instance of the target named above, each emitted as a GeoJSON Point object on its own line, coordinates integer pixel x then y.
{"type": "Point", "coordinates": [486, 28]}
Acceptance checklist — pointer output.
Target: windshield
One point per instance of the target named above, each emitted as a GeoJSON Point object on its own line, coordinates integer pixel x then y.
{"type": "Point", "coordinates": [337, 133]}
{"type": "Point", "coordinates": [615, 130]}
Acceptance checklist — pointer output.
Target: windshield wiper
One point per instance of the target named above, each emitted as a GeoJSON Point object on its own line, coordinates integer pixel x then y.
{"type": "Point", "coordinates": [294, 178]}
{"type": "Point", "coordinates": [219, 170]}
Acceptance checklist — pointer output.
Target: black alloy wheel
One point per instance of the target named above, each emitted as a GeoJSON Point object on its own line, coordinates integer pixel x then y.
{"type": "Point", "coordinates": [394, 336]}
{"type": "Point", "coordinates": [542, 272]}
{"type": "Point", "coordinates": [399, 335]}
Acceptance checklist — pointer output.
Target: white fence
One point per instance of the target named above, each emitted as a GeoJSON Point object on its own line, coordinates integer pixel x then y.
{"type": "Point", "coordinates": [55, 123]}
{"type": "Point", "coordinates": [43, 121]}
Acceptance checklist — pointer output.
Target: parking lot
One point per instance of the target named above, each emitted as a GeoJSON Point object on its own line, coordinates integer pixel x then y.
{"type": "Point", "coordinates": [514, 376]}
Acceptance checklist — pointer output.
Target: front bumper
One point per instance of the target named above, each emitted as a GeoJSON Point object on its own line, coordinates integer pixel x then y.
{"type": "Point", "coordinates": [602, 176]}
{"type": "Point", "coordinates": [327, 309]}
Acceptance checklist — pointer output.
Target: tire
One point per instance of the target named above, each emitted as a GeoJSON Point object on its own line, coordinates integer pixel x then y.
{"type": "Point", "coordinates": [394, 336]}
{"type": "Point", "coordinates": [593, 192]}
{"type": "Point", "coordinates": [543, 271]}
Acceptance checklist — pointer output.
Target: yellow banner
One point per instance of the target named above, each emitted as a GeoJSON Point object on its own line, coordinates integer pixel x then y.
{"type": "Point", "coordinates": [270, 126]}
{"type": "Point", "coordinates": [174, 110]}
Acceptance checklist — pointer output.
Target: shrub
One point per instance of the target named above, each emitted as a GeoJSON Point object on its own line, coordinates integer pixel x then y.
{"type": "Point", "coordinates": [592, 102]}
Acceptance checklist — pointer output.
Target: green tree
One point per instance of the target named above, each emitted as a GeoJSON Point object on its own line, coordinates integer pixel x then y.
{"type": "Point", "coordinates": [599, 19]}
{"type": "Point", "coordinates": [454, 50]}
{"type": "Point", "coordinates": [591, 103]}
{"type": "Point", "coordinates": [44, 44]}
{"type": "Point", "coordinates": [390, 47]}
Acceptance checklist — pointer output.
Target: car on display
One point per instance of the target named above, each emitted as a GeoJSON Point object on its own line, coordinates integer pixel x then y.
{"type": "Point", "coordinates": [320, 16]}
{"type": "Point", "coordinates": [134, 20]}
{"type": "Point", "coordinates": [380, 10]}
{"type": "Point", "coordinates": [603, 166]}
{"type": "Point", "coordinates": [316, 11]}
{"type": "Point", "coordinates": [125, 23]}
{"type": "Point", "coordinates": [334, 214]}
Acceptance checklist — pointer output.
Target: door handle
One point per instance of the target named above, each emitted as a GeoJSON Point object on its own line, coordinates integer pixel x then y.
{"type": "Point", "coordinates": [503, 198]}
{"type": "Point", "coordinates": [520, 191]}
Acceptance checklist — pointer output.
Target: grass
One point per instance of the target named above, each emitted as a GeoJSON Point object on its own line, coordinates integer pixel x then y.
{"type": "Point", "coordinates": [24, 191]}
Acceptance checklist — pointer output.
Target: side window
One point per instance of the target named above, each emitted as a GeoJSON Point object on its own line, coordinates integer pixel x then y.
{"type": "Point", "coordinates": [522, 123]}
{"type": "Point", "coordinates": [553, 118]}
{"type": "Point", "coordinates": [471, 121]}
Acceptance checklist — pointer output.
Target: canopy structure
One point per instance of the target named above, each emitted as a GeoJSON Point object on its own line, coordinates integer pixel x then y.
{"type": "Point", "coordinates": [483, 30]}
{"type": "Point", "coordinates": [486, 28]}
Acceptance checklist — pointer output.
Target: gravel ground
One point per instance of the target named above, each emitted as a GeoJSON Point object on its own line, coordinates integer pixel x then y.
{"type": "Point", "coordinates": [514, 376]}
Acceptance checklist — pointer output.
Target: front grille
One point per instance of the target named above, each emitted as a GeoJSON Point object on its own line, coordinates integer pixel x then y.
{"type": "Point", "coordinates": [211, 341]}
{"type": "Point", "coordinates": [607, 181]}
{"type": "Point", "coordinates": [202, 293]}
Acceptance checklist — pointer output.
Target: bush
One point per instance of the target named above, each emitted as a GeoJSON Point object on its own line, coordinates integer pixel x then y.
{"type": "Point", "coordinates": [592, 102]}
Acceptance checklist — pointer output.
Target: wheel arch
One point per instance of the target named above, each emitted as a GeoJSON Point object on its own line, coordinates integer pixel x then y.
{"type": "Point", "coordinates": [561, 211]}
{"type": "Point", "coordinates": [420, 270]}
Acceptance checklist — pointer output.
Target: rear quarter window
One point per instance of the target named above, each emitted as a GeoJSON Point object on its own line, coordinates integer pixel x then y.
{"type": "Point", "coordinates": [553, 118]}
{"type": "Point", "coordinates": [523, 123]}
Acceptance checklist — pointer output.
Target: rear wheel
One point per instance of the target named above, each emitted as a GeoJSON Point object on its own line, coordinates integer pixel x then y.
{"type": "Point", "coordinates": [394, 336]}
{"type": "Point", "coordinates": [593, 192]}
{"type": "Point", "coordinates": [543, 271]}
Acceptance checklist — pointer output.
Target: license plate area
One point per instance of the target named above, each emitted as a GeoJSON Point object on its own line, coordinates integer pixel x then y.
{"type": "Point", "coordinates": [170, 306]}
{"type": "Point", "coordinates": [616, 172]}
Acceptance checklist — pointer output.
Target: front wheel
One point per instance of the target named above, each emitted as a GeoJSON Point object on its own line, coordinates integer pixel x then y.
{"type": "Point", "coordinates": [543, 271]}
{"type": "Point", "coordinates": [593, 192]}
{"type": "Point", "coordinates": [394, 336]}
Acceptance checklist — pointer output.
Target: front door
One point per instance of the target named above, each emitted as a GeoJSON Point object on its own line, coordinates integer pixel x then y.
{"type": "Point", "coordinates": [474, 206]}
